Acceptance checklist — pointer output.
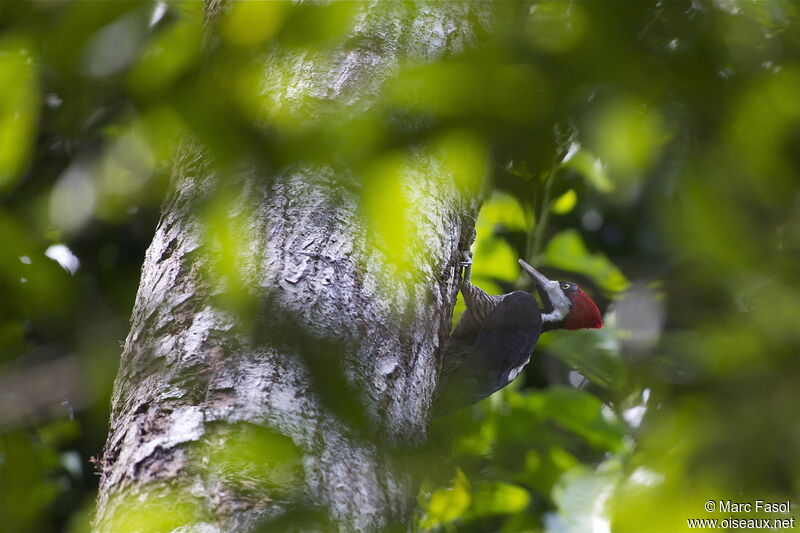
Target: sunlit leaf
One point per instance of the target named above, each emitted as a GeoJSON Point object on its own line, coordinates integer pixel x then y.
{"type": "Point", "coordinates": [387, 208]}
{"type": "Point", "coordinates": [494, 258]}
{"type": "Point", "coordinates": [565, 203]}
{"type": "Point", "coordinates": [501, 211]}
{"type": "Point", "coordinates": [155, 511]}
{"type": "Point", "coordinates": [19, 109]}
{"type": "Point", "coordinates": [498, 498]}
{"type": "Point", "coordinates": [465, 159]}
{"type": "Point", "coordinates": [312, 25]}
{"type": "Point", "coordinates": [250, 24]}
{"type": "Point", "coordinates": [228, 239]}
{"type": "Point", "coordinates": [250, 458]}
{"type": "Point", "coordinates": [162, 128]}
{"type": "Point", "coordinates": [447, 505]}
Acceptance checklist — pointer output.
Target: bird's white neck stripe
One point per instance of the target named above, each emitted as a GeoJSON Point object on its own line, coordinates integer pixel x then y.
{"type": "Point", "coordinates": [561, 304]}
{"type": "Point", "coordinates": [557, 315]}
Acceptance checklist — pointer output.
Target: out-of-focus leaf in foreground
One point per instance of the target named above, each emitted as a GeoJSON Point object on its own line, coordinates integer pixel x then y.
{"type": "Point", "coordinates": [19, 108]}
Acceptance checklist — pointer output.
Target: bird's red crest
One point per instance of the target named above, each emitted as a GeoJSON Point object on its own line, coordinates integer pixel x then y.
{"type": "Point", "coordinates": [584, 313]}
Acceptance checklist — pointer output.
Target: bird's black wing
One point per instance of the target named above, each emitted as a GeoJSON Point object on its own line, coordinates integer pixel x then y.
{"type": "Point", "coordinates": [505, 343]}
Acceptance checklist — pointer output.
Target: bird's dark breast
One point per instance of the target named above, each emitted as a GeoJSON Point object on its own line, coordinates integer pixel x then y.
{"type": "Point", "coordinates": [510, 333]}
{"type": "Point", "coordinates": [478, 364]}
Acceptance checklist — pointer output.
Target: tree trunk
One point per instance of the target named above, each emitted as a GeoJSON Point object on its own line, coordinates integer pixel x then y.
{"type": "Point", "coordinates": [290, 407]}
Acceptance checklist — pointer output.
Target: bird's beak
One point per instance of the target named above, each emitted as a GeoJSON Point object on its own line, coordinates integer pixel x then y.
{"type": "Point", "coordinates": [541, 281]}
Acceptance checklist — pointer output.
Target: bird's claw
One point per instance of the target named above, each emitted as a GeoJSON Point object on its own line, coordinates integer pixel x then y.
{"type": "Point", "coordinates": [466, 264]}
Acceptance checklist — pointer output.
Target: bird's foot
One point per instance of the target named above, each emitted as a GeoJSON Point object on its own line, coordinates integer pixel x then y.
{"type": "Point", "coordinates": [466, 263]}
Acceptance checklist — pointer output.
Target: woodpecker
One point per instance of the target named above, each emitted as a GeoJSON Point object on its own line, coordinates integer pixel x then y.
{"type": "Point", "coordinates": [496, 334]}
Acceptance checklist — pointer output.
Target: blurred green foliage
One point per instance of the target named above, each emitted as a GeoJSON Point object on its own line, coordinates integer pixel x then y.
{"type": "Point", "coordinates": [647, 150]}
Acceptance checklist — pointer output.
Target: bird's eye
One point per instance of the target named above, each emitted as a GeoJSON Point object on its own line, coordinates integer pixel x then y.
{"type": "Point", "coordinates": [565, 286]}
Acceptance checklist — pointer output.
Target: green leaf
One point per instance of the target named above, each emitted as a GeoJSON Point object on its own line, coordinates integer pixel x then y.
{"type": "Point", "coordinates": [169, 54]}
{"type": "Point", "coordinates": [498, 498]}
{"type": "Point", "coordinates": [584, 351]}
{"type": "Point", "coordinates": [565, 203]}
{"type": "Point", "coordinates": [494, 258]}
{"type": "Point", "coordinates": [501, 210]}
{"type": "Point", "coordinates": [19, 110]}
{"type": "Point", "coordinates": [591, 169]}
{"type": "Point", "coordinates": [567, 251]}
{"type": "Point", "coordinates": [447, 505]}
{"type": "Point", "coordinates": [582, 413]}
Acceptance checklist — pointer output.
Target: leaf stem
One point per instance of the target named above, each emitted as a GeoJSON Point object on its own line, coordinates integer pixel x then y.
{"type": "Point", "coordinates": [541, 215]}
